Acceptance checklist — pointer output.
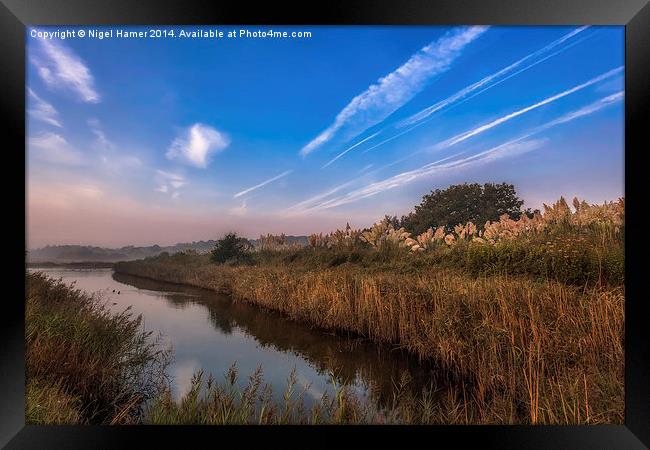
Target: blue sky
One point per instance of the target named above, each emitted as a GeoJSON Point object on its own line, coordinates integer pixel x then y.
{"type": "Point", "coordinates": [142, 141]}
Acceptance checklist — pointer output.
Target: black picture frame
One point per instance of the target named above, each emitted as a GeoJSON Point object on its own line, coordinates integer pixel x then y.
{"type": "Point", "coordinates": [15, 15]}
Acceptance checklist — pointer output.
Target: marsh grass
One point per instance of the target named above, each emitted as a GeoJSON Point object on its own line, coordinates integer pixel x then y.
{"type": "Point", "coordinates": [209, 402]}
{"type": "Point", "coordinates": [571, 255]}
{"type": "Point", "coordinates": [583, 245]}
{"type": "Point", "coordinates": [525, 316]}
{"type": "Point", "coordinates": [85, 364]}
{"type": "Point", "coordinates": [585, 255]}
{"type": "Point", "coordinates": [523, 350]}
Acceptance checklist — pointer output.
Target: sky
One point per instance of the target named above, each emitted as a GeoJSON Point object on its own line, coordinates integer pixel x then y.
{"type": "Point", "coordinates": [142, 141]}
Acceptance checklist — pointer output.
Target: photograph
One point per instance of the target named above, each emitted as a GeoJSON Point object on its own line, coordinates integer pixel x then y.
{"type": "Point", "coordinates": [314, 225]}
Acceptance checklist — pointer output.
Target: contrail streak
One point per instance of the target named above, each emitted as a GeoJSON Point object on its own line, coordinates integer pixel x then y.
{"type": "Point", "coordinates": [508, 147]}
{"type": "Point", "coordinates": [263, 183]}
{"type": "Point", "coordinates": [459, 97]}
{"type": "Point", "coordinates": [463, 92]}
{"type": "Point", "coordinates": [350, 148]}
{"type": "Point", "coordinates": [468, 134]}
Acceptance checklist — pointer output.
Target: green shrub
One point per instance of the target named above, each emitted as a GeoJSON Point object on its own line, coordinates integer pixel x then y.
{"type": "Point", "coordinates": [567, 256]}
{"type": "Point", "coordinates": [231, 248]}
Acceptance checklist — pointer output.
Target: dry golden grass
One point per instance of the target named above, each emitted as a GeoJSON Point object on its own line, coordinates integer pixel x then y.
{"type": "Point", "coordinates": [522, 351]}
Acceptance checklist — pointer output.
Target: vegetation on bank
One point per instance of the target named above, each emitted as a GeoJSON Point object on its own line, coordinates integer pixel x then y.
{"type": "Point", "coordinates": [88, 366]}
{"type": "Point", "coordinates": [524, 315]}
{"type": "Point", "coordinates": [532, 352]}
{"type": "Point", "coordinates": [583, 246]}
{"type": "Point", "coordinates": [84, 364]}
{"type": "Point", "coordinates": [462, 203]}
{"type": "Point", "coordinates": [531, 360]}
{"type": "Point", "coordinates": [528, 314]}
{"type": "Point", "coordinates": [211, 403]}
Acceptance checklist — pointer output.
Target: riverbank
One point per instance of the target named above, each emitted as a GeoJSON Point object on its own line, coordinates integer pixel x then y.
{"type": "Point", "coordinates": [84, 364]}
{"type": "Point", "coordinates": [534, 351]}
{"type": "Point", "coordinates": [69, 382]}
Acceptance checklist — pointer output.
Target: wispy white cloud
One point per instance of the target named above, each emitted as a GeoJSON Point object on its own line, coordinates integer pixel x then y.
{"type": "Point", "coordinates": [614, 85]}
{"type": "Point", "coordinates": [61, 68]}
{"type": "Point", "coordinates": [481, 86]}
{"type": "Point", "coordinates": [380, 186]}
{"type": "Point", "coordinates": [478, 130]}
{"type": "Point", "coordinates": [119, 163]}
{"type": "Point", "coordinates": [116, 161]}
{"type": "Point", "coordinates": [197, 144]}
{"type": "Point", "coordinates": [391, 138]}
{"type": "Point", "coordinates": [169, 183]}
{"type": "Point", "coordinates": [170, 175]}
{"type": "Point", "coordinates": [42, 110]}
{"type": "Point", "coordinates": [398, 87]}
{"type": "Point", "coordinates": [97, 129]}
{"type": "Point", "coordinates": [263, 183]}
{"type": "Point", "coordinates": [517, 146]}
{"type": "Point", "coordinates": [53, 148]}
{"type": "Point", "coordinates": [507, 149]}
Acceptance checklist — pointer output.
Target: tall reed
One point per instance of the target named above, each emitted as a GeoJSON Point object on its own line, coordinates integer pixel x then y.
{"type": "Point", "coordinates": [85, 364]}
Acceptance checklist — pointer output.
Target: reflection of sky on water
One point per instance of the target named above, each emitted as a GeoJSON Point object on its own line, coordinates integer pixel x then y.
{"type": "Point", "coordinates": [182, 374]}
{"type": "Point", "coordinates": [208, 331]}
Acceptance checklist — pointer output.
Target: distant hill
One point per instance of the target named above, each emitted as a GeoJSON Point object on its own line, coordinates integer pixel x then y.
{"type": "Point", "coordinates": [86, 253]}
{"type": "Point", "coordinates": [72, 253]}
{"type": "Point", "coordinates": [300, 240]}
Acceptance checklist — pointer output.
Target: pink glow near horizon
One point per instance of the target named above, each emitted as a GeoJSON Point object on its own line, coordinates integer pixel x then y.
{"type": "Point", "coordinates": [84, 219]}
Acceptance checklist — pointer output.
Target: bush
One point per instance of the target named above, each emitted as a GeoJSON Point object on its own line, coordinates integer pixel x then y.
{"type": "Point", "coordinates": [231, 248]}
{"type": "Point", "coordinates": [570, 257]}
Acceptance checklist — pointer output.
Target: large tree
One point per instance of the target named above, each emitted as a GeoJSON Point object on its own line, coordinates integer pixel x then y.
{"type": "Point", "coordinates": [463, 203]}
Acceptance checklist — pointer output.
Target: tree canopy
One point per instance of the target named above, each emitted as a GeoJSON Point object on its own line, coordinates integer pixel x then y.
{"type": "Point", "coordinates": [462, 203]}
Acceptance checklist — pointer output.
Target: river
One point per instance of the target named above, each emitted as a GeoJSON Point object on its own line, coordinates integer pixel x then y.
{"type": "Point", "coordinates": [210, 331]}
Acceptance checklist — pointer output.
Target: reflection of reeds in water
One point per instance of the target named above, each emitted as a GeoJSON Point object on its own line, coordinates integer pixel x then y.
{"type": "Point", "coordinates": [212, 403]}
{"type": "Point", "coordinates": [518, 341]}
{"type": "Point", "coordinates": [347, 358]}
